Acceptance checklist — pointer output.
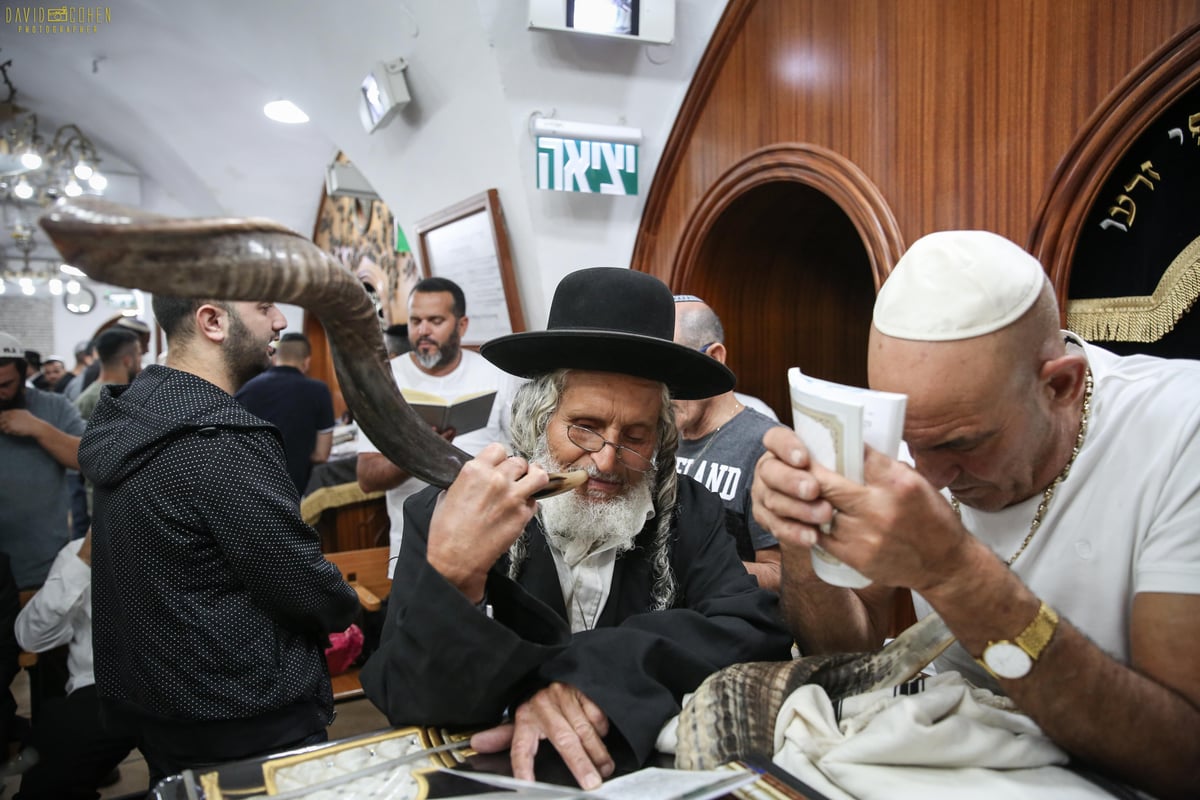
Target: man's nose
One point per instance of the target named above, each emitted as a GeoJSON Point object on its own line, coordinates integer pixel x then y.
{"type": "Point", "coordinates": [940, 469]}
{"type": "Point", "coordinates": [605, 458]}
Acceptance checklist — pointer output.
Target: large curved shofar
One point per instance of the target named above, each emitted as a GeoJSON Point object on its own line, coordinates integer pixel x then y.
{"type": "Point", "coordinates": [256, 259]}
{"type": "Point", "coordinates": [732, 715]}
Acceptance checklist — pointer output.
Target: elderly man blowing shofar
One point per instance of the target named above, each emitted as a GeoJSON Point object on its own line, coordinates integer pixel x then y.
{"type": "Point", "coordinates": [591, 614]}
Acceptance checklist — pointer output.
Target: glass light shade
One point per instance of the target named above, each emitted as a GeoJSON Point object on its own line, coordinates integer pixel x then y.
{"type": "Point", "coordinates": [30, 159]}
{"type": "Point", "coordinates": [23, 190]}
{"type": "Point", "coordinates": [73, 189]}
{"type": "Point", "coordinates": [55, 285]}
{"type": "Point", "coordinates": [98, 182]}
{"type": "Point", "coordinates": [73, 287]}
{"type": "Point", "coordinates": [83, 170]}
{"type": "Point", "coordinates": [285, 111]}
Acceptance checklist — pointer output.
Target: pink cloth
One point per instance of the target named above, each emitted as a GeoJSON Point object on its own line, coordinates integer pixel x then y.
{"type": "Point", "coordinates": [343, 649]}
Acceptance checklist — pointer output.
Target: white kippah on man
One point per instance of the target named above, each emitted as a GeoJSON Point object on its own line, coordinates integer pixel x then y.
{"type": "Point", "coordinates": [957, 285]}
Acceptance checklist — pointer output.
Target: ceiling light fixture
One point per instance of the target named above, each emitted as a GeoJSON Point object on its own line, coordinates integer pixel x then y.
{"type": "Point", "coordinates": [37, 170]}
{"type": "Point", "coordinates": [285, 111]}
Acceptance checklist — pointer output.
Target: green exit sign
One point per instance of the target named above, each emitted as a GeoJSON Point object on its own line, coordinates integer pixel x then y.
{"type": "Point", "coordinates": [581, 165]}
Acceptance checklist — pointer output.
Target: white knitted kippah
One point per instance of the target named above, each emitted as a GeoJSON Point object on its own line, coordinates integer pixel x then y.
{"type": "Point", "coordinates": [956, 285]}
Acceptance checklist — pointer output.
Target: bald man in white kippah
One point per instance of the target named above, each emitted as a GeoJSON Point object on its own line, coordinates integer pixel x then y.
{"type": "Point", "coordinates": [1052, 518]}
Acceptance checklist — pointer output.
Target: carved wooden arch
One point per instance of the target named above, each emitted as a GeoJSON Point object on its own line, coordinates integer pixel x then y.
{"type": "Point", "coordinates": [833, 175]}
{"type": "Point", "coordinates": [1136, 102]}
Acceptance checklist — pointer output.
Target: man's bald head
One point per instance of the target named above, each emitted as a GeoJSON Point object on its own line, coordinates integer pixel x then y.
{"type": "Point", "coordinates": [696, 325]}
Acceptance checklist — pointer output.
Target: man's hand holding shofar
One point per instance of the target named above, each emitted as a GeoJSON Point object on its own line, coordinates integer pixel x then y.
{"type": "Point", "coordinates": [481, 515]}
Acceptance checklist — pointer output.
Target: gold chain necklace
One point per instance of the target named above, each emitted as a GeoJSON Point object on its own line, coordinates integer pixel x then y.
{"type": "Point", "coordinates": [1062, 476]}
{"type": "Point", "coordinates": [712, 437]}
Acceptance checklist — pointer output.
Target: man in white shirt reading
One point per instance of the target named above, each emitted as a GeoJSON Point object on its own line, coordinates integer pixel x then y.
{"type": "Point", "coordinates": [437, 321]}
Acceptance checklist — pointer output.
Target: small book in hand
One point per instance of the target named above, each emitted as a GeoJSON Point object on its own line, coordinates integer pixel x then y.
{"type": "Point", "coordinates": [464, 414]}
{"type": "Point", "coordinates": [834, 421]}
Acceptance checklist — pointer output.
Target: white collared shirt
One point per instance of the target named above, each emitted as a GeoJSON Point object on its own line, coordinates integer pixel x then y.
{"type": "Point", "coordinates": [585, 586]}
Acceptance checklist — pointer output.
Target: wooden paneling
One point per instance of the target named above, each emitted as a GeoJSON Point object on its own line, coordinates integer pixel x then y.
{"type": "Point", "coordinates": [956, 113]}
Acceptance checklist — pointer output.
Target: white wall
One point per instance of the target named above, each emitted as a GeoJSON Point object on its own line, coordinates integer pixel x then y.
{"type": "Point", "coordinates": [476, 74]}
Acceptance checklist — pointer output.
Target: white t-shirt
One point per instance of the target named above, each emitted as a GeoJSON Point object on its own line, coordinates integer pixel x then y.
{"type": "Point", "coordinates": [1127, 518]}
{"type": "Point", "coordinates": [473, 374]}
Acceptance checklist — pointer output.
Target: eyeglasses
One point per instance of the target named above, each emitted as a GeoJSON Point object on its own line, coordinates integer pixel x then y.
{"type": "Point", "coordinates": [587, 439]}
{"type": "Point", "coordinates": [705, 348]}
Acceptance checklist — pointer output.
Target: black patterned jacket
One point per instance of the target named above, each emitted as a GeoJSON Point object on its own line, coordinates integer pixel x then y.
{"type": "Point", "coordinates": [211, 599]}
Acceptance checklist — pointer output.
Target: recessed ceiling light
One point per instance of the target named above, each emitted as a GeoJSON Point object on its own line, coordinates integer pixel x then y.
{"type": "Point", "coordinates": [285, 111]}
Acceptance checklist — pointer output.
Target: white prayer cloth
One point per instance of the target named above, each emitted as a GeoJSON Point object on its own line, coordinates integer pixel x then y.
{"type": "Point", "coordinates": [948, 740]}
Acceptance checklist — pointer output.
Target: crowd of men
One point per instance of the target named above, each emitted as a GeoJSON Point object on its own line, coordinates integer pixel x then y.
{"type": "Point", "coordinates": [1049, 514]}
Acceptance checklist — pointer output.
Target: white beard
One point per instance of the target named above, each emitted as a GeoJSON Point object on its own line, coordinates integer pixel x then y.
{"type": "Point", "coordinates": [430, 360]}
{"type": "Point", "coordinates": [577, 526]}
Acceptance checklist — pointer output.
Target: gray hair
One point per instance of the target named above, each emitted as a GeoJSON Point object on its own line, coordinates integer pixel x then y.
{"type": "Point", "coordinates": [534, 405]}
{"type": "Point", "coordinates": [698, 326]}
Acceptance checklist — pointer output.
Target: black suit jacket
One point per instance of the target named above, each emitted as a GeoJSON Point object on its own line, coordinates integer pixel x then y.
{"type": "Point", "coordinates": [443, 662]}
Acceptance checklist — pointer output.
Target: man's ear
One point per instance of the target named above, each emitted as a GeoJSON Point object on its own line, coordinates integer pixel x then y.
{"type": "Point", "coordinates": [1065, 378]}
{"type": "Point", "coordinates": [212, 322]}
{"type": "Point", "coordinates": [717, 352]}
{"type": "Point", "coordinates": [461, 325]}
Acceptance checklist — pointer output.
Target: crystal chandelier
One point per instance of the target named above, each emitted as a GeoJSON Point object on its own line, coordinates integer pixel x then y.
{"type": "Point", "coordinates": [36, 170]}
{"type": "Point", "coordinates": [41, 171]}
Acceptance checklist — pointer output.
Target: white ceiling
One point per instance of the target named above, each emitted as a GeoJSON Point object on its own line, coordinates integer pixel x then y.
{"type": "Point", "coordinates": [157, 97]}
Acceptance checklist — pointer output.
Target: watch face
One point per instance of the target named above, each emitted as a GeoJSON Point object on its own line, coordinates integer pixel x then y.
{"type": "Point", "coordinates": [1007, 660]}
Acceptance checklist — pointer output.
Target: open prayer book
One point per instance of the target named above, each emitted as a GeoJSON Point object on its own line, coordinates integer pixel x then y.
{"type": "Point", "coordinates": [465, 414]}
{"type": "Point", "coordinates": [834, 421]}
{"type": "Point", "coordinates": [650, 783]}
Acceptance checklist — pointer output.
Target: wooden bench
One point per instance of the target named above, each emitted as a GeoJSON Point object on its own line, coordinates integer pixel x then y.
{"type": "Point", "coordinates": [366, 571]}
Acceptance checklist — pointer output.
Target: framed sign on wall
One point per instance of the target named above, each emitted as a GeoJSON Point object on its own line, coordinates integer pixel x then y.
{"type": "Point", "coordinates": [468, 244]}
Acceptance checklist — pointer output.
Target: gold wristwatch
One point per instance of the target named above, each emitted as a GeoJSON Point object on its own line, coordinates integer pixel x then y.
{"type": "Point", "coordinates": [1014, 659]}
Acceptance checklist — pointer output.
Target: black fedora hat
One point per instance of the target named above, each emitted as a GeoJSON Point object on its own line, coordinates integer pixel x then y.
{"type": "Point", "coordinates": [612, 320]}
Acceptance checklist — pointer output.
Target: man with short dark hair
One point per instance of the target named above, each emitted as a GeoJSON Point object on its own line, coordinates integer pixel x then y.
{"type": "Point", "coordinates": [39, 442]}
{"type": "Point", "coordinates": [211, 600]}
{"type": "Point", "coordinates": [120, 357]}
{"type": "Point", "coordinates": [588, 615]}
{"type": "Point", "coordinates": [300, 406]}
{"type": "Point", "coordinates": [53, 370]}
{"type": "Point", "coordinates": [438, 364]}
{"type": "Point", "coordinates": [139, 328]}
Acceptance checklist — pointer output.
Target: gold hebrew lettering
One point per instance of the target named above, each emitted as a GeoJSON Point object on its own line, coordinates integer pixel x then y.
{"type": "Point", "coordinates": [1134, 182]}
{"type": "Point", "coordinates": [1194, 126]}
{"type": "Point", "coordinates": [1120, 207]}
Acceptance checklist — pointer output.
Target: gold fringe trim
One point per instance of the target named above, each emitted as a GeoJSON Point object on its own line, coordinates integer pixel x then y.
{"type": "Point", "coordinates": [1141, 318]}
